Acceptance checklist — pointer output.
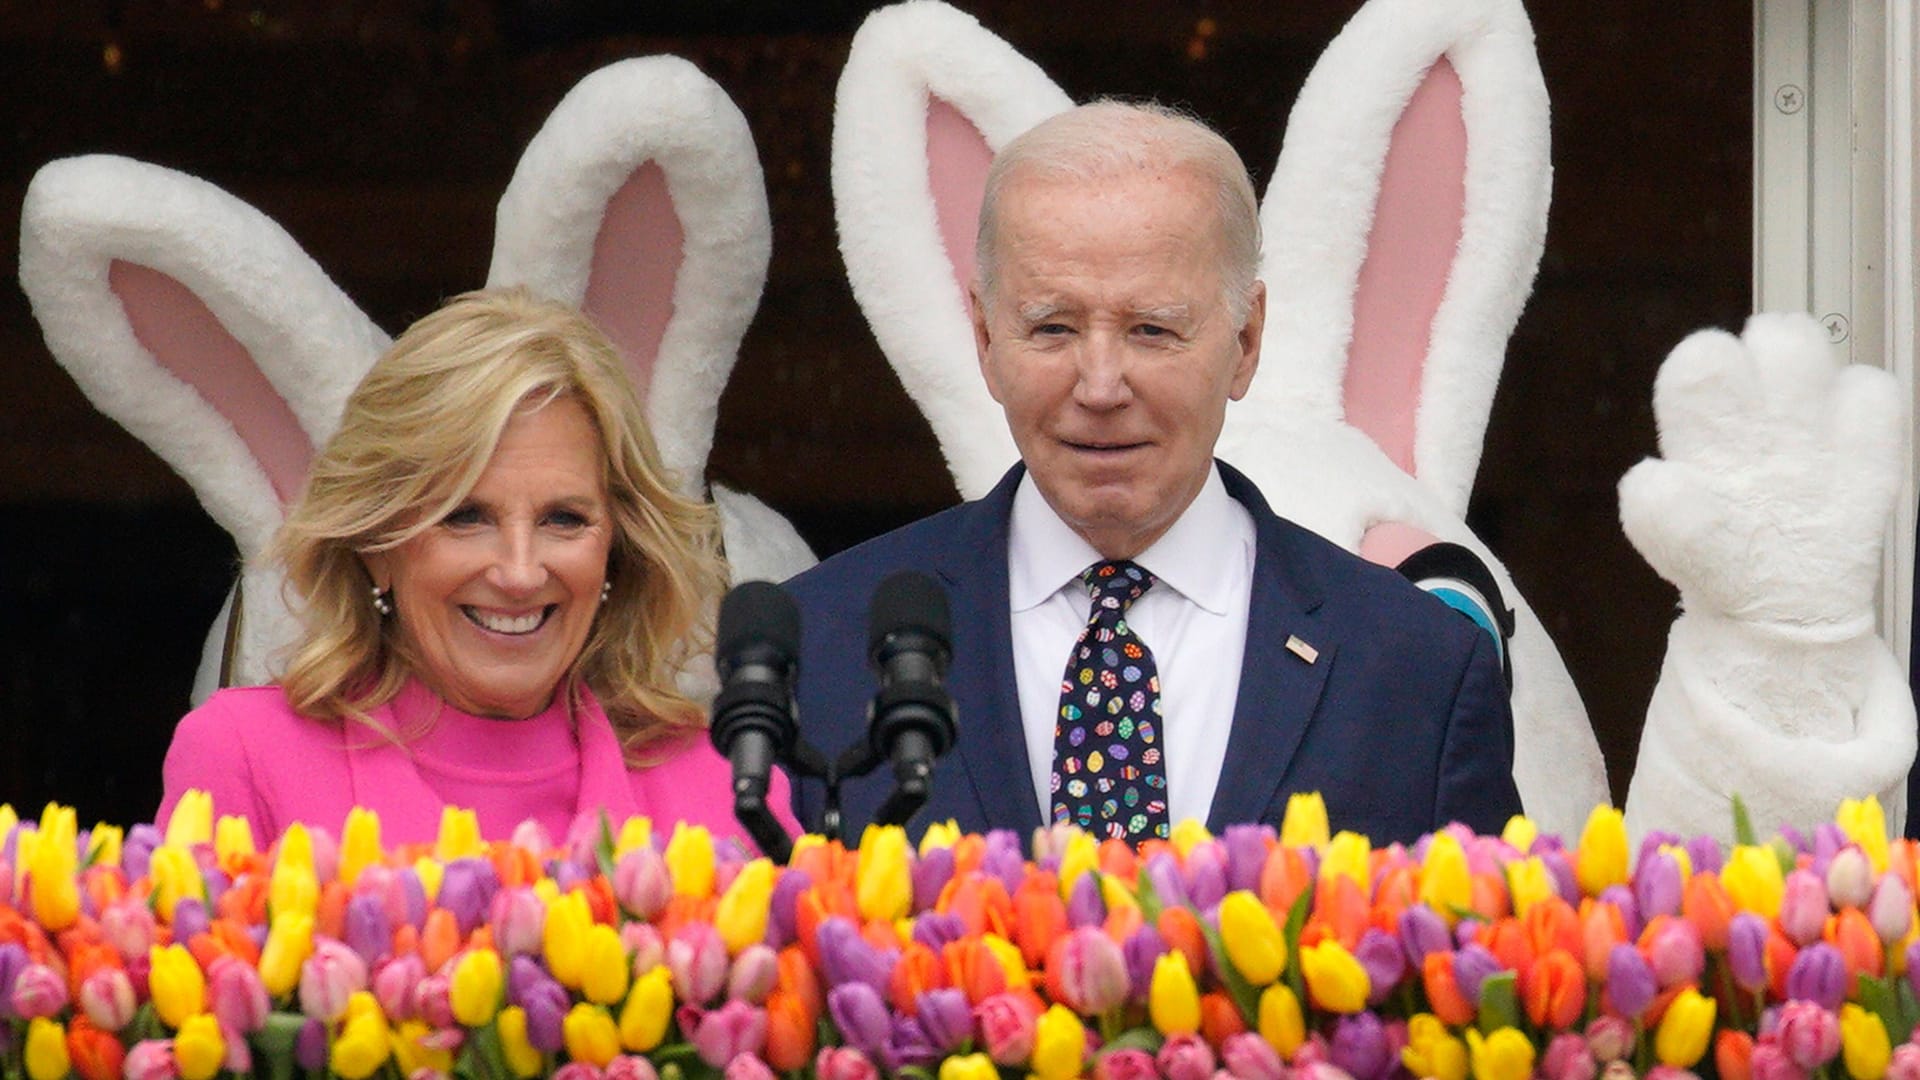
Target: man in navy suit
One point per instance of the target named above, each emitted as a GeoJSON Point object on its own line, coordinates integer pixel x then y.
{"type": "Point", "coordinates": [1116, 312]}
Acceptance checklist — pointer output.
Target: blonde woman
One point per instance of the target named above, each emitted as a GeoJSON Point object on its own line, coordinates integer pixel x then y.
{"type": "Point", "coordinates": [499, 588]}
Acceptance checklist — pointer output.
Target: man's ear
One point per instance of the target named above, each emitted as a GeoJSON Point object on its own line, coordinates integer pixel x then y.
{"type": "Point", "coordinates": [1248, 340]}
{"type": "Point", "coordinates": [982, 341]}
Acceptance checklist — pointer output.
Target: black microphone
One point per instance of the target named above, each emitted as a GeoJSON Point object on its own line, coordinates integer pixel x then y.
{"type": "Point", "coordinates": [753, 717]}
{"type": "Point", "coordinates": [911, 718]}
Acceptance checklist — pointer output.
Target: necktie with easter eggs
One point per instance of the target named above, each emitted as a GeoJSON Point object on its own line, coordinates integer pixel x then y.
{"type": "Point", "coordinates": [1108, 772]}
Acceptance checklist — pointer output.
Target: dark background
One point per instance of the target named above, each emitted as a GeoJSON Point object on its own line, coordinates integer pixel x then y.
{"type": "Point", "coordinates": [381, 134]}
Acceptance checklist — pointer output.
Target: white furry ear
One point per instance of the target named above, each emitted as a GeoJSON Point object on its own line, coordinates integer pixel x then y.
{"type": "Point", "coordinates": [1403, 227]}
{"type": "Point", "coordinates": [641, 201]}
{"type": "Point", "coordinates": [926, 98]}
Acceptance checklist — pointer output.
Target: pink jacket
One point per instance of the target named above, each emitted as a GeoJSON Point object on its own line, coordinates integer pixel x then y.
{"type": "Point", "coordinates": [262, 761]}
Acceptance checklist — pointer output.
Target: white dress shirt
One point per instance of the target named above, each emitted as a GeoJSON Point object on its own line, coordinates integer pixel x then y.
{"type": "Point", "coordinates": [1194, 620]}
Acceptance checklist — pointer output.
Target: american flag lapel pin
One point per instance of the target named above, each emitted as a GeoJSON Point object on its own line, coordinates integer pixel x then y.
{"type": "Point", "coordinates": [1301, 649]}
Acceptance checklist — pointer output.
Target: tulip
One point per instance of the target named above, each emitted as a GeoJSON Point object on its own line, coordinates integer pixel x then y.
{"type": "Point", "coordinates": [721, 1035]}
{"type": "Point", "coordinates": [1125, 1063]}
{"type": "Point", "coordinates": [1865, 824]}
{"type": "Point", "coordinates": [847, 957]}
{"type": "Point", "coordinates": [1335, 980]}
{"type": "Point", "coordinates": [175, 984]}
{"type": "Point", "coordinates": [690, 860]}
{"type": "Point", "coordinates": [1007, 1025]}
{"type": "Point", "coordinates": [1733, 1055]}
{"type": "Point", "coordinates": [564, 938]}
{"type": "Point", "coordinates": [844, 1063]}
{"type": "Point", "coordinates": [1206, 871]}
{"type": "Point", "coordinates": [1681, 1039]}
{"type": "Point", "coordinates": [1819, 975]}
{"type": "Point", "coordinates": [1753, 880]}
{"type": "Point", "coordinates": [1809, 1033]}
{"type": "Point", "coordinates": [1450, 1003]}
{"type": "Point", "coordinates": [151, 1059]}
{"type": "Point", "coordinates": [288, 943]}
{"type": "Point", "coordinates": [591, 1035]}
{"type": "Point", "coordinates": [1252, 938]}
{"type": "Point", "coordinates": [474, 993]}
{"type": "Point", "coordinates": [522, 1059]}
{"type": "Point", "coordinates": [294, 887]}
{"type": "Point", "coordinates": [1472, 966]}
{"type": "Point", "coordinates": [1432, 1050]}
{"type": "Point", "coordinates": [1423, 932]}
{"type": "Point", "coordinates": [1803, 907]}
{"type": "Point", "coordinates": [394, 983]}
{"type": "Point", "coordinates": [1746, 951]}
{"type": "Point", "coordinates": [946, 1017]}
{"type": "Point", "coordinates": [1305, 822]}
{"type": "Point", "coordinates": [883, 879]}
{"type": "Point", "coordinates": [45, 1051]}
{"type": "Point", "coordinates": [741, 917]}
{"type": "Point", "coordinates": [1602, 857]}
{"type": "Point", "coordinates": [466, 888]}
{"type": "Point", "coordinates": [1529, 882]}
{"type": "Point", "coordinates": [1506, 1054]}
{"type": "Point", "coordinates": [1163, 876]}
{"type": "Point", "coordinates": [1905, 1063]}
{"type": "Point", "coordinates": [364, 1041]}
{"type": "Point", "coordinates": [1673, 951]}
{"type": "Point", "coordinates": [1859, 944]}
{"type": "Point", "coordinates": [1088, 972]}
{"type": "Point", "coordinates": [861, 1016]}
{"type": "Point", "coordinates": [1348, 855]}
{"type": "Point", "coordinates": [1360, 1046]}
{"type": "Point", "coordinates": [604, 969]}
{"type": "Point", "coordinates": [1246, 1057]}
{"type": "Point", "coordinates": [39, 991]}
{"type": "Point", "coordinates": [127, 925]}
{"type": "Point", "coordinates": [1555, 990]}
{"type": "Point", "coordinates": [106, 996]}
{"type": "Point", "coordinates": [1280, 1019]}
{"type": "Point", "coordinates": [433, 1000]}
{"type": "Point", "coordinates": [236, 996]}
{"type": "Point", "coordinates": [1173, 1000]}
{"type": "Point", "coordinates": [697, 959]}
{"type": "Point", "coordinates": [1864, 1043]}
{"type": "Point", "coordinates": [175, 877]}
{"type": "Point", "coordinates": [94, 1054]}
{"type": "Point", "coordinates": [1890, 909]}
{"type": "Point", "coordinates": [200, 1048]}
{"type": "Point", "coordinates": [1185, 1057]}
{"type": "Point", "coordinates": [1059, 1044]}
{"type": "Point", "coordinates": [1630, 982]}
{"type": "Point", "coordinates": [1657, 885]}
{"type": "Point", "coordinates": [1384, 961]}
{"type": "Point", "coordinates": [191, 822]}
{"type": "Point", "coordinates": [754, 975]}
{"type": "Point", "coordinates": [1610, 1038]}
{"type": "Point", "coordinates": [1567, 1058]}
{"type": "Point", "coordinates": [1446, 885]}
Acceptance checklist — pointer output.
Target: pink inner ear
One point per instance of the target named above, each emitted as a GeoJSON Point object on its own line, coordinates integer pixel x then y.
{"type": "Point", "coordinates": [1390, 542]}
{"type": "Point", "coordinates": [957, 161]}
{"type": "Point", "coordinates": [636, 259]}
{"type": "Point", "coordinates": [1416, 233]}
{"type": "Point", "coordinates": [189, 341]}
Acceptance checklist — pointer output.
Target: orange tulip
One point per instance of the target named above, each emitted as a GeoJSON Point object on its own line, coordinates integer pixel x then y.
{"type": "Point", "coordinates": [1707, 906]}
{"type": "Point", "coordinates": [1443, 992]}
{"type": "Point", "coordinates": [1181, 929]}
{"type": "Point", "coordinates": [440, 939]}
{"type": "Point", "coordinates": [981, 902]}
{"type": "Point", "coordinates": [799, 978]}
{"type": "Point", "coordinates": [234, 938]}
{"type": "Point", "coordinates": [1490, 899]}
{"type": "Point", "coordinates": [968, 852]}
{"type": "Point", "coordinates": [246, 901]}
{"type": "Point", "coordinates": [918, 970]}
{"type": "Point", "coordinates": [1602, 926]}
{"type": "Point", "coordinates": [515, 866]}
{"type": "Point", "coordinates": [1508, 941]}
{"type": "Point", "coordinates": [1040, 916]}
{"type": "Point", "coordinates": [1859, 945]}
{"type": "Point", "coordinates": [1779, 957]}
{"type": "Point", "coordinates": [1552, 924]}
{"type": "Point", "coordinates": [1283, 878]}
{"type": "Point", "coordinates": [94, 1054]}
{"type": "Point", "coordinates": [973, 968]}
{"type": "Point", "coordinates": [1219, 1018]}
{"type": "Point", "coordinates": [1122, 921]}
{"type": "Point", "coordinates": [1733, 1054]}
{"type": "Point", "coordinates": [330, 915]}
{"type": "Point", "coordinates": [1116, 859]}
{"type": "Point", "coordinates": [790, 1032]}
{"type": "Point", "coordinates": [1554, 990]}
{"type": "Point", "coordinates": [1397, 889]}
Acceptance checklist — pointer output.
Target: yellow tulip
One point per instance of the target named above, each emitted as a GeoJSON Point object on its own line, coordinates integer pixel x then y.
{"type": "Point", "coordinates": [1432, 1050]}
{"type": "Point", "coordinates": [293, 888]}
{"type": "Point", "coordinates": [882, 885]}
{"type": "Point", "coordinates": [1281, 1021]}
{"type": "Point", "coordinates": [1351, 855]}
{"type": "Point", "coordinates": [1118, 896]}
{"type": "Point", "coordinates": [1866, 824]}
{"type": "Point", "coordinates": [1864, 1043]}
{"type": "Point", "coordinates": [940, 834]}
{"type": "Point", "coordinates": [804, 843]}
{"type": "Point", "coordinates": [1252, 938]}
{"type": "Point", "coordinates": [741, 915]}
{"type": "Point", "coordinates": [1335, 980]}
{"type": "Point", "coordinates": [1753, 881]}
{"type": "Point", "coordinates": [359, 844]}
{"type": "Point", "coordinates": [969, 1067]}
{"type": "Point", "coordinates": [1011, 962]}
{"type": "Point", "coordinates": [46, 1050]}
{"type": "Point", "coordinates": [525, 1061]}
{"type": "Point", "coordinates": [1685, 1030]}
{"type": "Point", "coordinates": [689, 858]}
{"type": "Point", "coordinates": [232, 839]}
{"type": "Point", "coordinates": [431, 872]}
{"type": "Point", "coordinates": [475, 992]}
{"type": "Point", "coordinates": [635, 832]}
{"type": "Point", "coordinates": [175, 878]}
{"type": "Point", "coordinates": [104, 842]}
{"type": "Point", "coordinates": [1602, 858]}
{"type": "Point", "coordinates": [9, 817]}
{"type": "Point", "coordinates": [412, 1051]}
{"type": "Point", "coordinates": [564, 939]}
{"type": "Point", "coordinates": [604, 970]}
{"type": "Point", "coordinates": [1305, 823]}
{"type": "Point", "coordinates": [364, 1042]}
{"type": "Point", "coordinates": [1059, 1044]}
{"type": "Point", "coordinates": [53, 889]}
{"type": "Point", "coordinates": [191, 821]}
{"type": "Point", "coordinates": [199, 1048]}
{"type": "Point", "coordinates": [1529, 883]}
{"type": "Point", "coordinates": [1081, 857]}
{"type": "Point", "coordinates": [591, 1035]}
{"type": "Point", "coordinates": [1504, 1055]}
{"type": "Point", "coordinates": [176, 984]}
{"type": "Point", "coordinates": [1186, 834]}
{"type": "Point", "coordinates": [1520, 833]}
{"type": "Point", "coordinates": [1173, 1001]}
{"type": "Point", "coordinates": [289, 942]}
{"type": "Point", "coordinates": [1446, 885]}
{"type": "Point", "coordinates": [643, 1020]}
{"type": "Point", "coordinates": [459, 835]}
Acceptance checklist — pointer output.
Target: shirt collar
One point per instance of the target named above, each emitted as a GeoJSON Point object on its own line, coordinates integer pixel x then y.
{"type": "Point", "coordinates": [1193, 557]}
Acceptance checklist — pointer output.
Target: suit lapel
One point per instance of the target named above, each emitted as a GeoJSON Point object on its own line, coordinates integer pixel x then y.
{"type": "Point", "coordinates": [1279, 687]}
{"type": "Point", "coordinates": [992, 745]}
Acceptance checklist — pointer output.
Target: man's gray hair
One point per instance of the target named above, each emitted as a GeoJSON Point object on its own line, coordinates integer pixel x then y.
{"type": "Point", "coordinates": [1107, 138]}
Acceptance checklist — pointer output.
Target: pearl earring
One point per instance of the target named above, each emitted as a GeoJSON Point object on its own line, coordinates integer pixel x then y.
{"type": "Point", "coordinates": [606, 590]}
{"type": "Point", "coordinates": [380, 602]}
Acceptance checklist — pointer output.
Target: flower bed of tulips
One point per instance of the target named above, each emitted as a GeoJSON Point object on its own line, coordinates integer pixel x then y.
{"type": "Point", "coordinates": [629, 955]}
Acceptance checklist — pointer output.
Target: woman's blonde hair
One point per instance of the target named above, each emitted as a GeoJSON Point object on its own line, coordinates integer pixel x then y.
{"type": "Point", "coordinates": [415, 437]}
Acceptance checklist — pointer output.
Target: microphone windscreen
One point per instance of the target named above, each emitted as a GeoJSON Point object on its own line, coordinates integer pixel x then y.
{"type": "Point", "coordinates": [908, 601]}
{"type": "Point", "coordinates": [757, 613]}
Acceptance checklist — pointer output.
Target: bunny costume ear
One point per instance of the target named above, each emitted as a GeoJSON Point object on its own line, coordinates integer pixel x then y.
{"type": "Point", "coordinates": [926, 99]}
{"type": "Point", "coordinates": [1403, 226]}
{"type": "Point", "coordinates": [641, 200]}
{"type": "Point", "coordinates": [199, 325]}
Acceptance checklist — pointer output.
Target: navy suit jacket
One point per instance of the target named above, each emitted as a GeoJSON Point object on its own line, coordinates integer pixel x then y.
{"type": "Point", "coordinates": [1401, 722]}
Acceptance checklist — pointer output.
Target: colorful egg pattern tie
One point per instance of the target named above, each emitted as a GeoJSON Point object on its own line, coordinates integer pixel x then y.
{"type": "Point", "coordinates": [1108, 775]}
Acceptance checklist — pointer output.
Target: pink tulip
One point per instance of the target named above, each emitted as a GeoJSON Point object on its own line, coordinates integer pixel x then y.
{"type": "Point", "coordinates": [1675, 954]}
{"type": "Point", "coordinates": [534, 837]}
{"type": "Point", "coordinates": [1803, 908]}
{"type": "Point", "coordinates": [1320, 1070]}
{"type": "Point", "coordinates": [151, 1059]}
{"type": "Point", "coordinates": [239, 1059]}
{"type": "Point", "coordinates": [1770, 1062]}
{"type": "Point", "coordinates": [236, 996]}
{"type": "Point", "coordinates": [641, 882]}
{"type": "Point", "coordinates": [1250, 1057]}
{"type": "Point", "coordinates": [755, 972]}
{"type": "Point", "coordinates": [107, 998]}
{"type": "Point", "coordinates": [1128, 1063]}
{"type": "Point", "coordinates": [394, 984]}
{"type": "Point", "coordinates": [698, 960]}
{"type": "Point", "coordinates": [747, 1067]}
{"type": "Point", "coordinates": [328, 978]}
{"type": "Point", "coordinates": [518, 917]}
{"type": "Point", "coordinates": [1609, 1038]}
{"type": "Point", "coordinates": [720, 1035]}
{"type": "Point", "coordinates": [844, 1063]}
{"type": "Point", "coordinates": [1905, 1063]}
{"type": "Point", "coordinates": [1808, 1033]}
{"type": "Point", "coordinates": [1891, 909]}
{"type": "Point", "coordinates": [433, 1000]}
{"type": "Point", "coordinates": [129, 927]}
{"type": "Point", "coordinates": [1186, 1057]}
{"type": "Point", "coordinates": [629, 1067]}
{"type": "Point", "coordinates": [38, 992]}
{"type": "Point", "coordinates": [1006, 1027]}
{"type": "Point", "coordinates": [644, 943]}
{"type": "Point", "coordinates": [1669, 1072]}
{"type": "Point", "coordinates": [575, 1070]}
{"type": "Point", "coordinates": [1618, 1070]}
{"type": "Point", "coordinates": [1568, 1057]}
{"type": "Point", "coordinates": [1092, 972]}
{"type": "Point", "coordinates": [1849, 878]}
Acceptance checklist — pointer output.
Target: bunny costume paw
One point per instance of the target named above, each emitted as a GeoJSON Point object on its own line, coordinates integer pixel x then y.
{"type": "Point", "coordinates": [1768, 510]}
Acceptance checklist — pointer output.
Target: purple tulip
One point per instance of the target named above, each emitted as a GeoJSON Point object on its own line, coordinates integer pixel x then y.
{"type": "Point", "coordinates": [1566, 884]}
{"type": "Point", "coordinates": [722, 1034]}
{"type": "Point", "coordinates": [1249, 1057]}
{"type": "Point", "coordinates": [546, 1004]}
{"type": "Point", "coordinates": [394, 983]}
{"type": "Point", "coordinates": [1819, 975]}
{"type": "Point", "coordinates": [1246, 848]}
{"type": "Point", "coordinates": [908, 1046]}
{"type": "Point", "coordinates": [1621, 897]}
{"type": "Point", "coordinates": [1423, 931]}
{"type": "Point", "coordinates": [1630, 982]}
{"type": "Point", "coordinates": [1142, 949]}
{"type": "Point", "coordinates": [936, 929]}
{"type": "Point", "coordinates": [1185, 1057]}
{"type": "Point", "coordinates": [1747, 951]}
{"type": "Point", "coordinates": [466, 889]}
{"type": "Point", "coordinates": [1828, 839]}
{"type": "Point", "coordinates": [1384, 960]}
{"type": "Point", "coordinates": [698, 960]}
{"type": "Point", "coordinates": [407, 899]}
{"type": "Point", "coordinates": [189, 919]}
{"type": "Point", "coordinates": [310, 1046]}
{"type": "Point", "coordinates": [1652, 843]}
{"type": "Point", "coordinates": [1206, 876]}
{"type": "Point", "coordinates": [1705, 854]}
{"type": "Point", "coordinates": [1809, 1033]}
{"type": "Point", "coordinates": [930, 874]}
{"type": "Point", "coordinates": [1360, 1047]}
{"type": "Point", "coordinates": [1913, 967]}
{"type": "Point", "coordinates": [136, 851]}
{"type": "Point", "coordinates": [368, 932]}
{"type": "Point", "coordinates": [1472, 966]}
{"type": "Point", "coordinates": [641, 882]}
{"type": "Point", "coordinates": [217, 883]}
{"type": "Point", "coordinates": [1002, 858]}
{"type": "Point", "coordinates": [1085, 906]}
{"type": "Point", "coordinates": [846, 957]}
{"type": "Point", "coordinates": [947, 1017]}
{"type": "Point", "coordinates": [861, 1015]}
{"type": "Point", "coordinates": [1656, 885]}
{"type": "Point", "coordinates": [1163, 873]}
{"type": "Point", "coordinates": [784, 907]}
{"type": "Point", "coordinates": [13, 960]}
